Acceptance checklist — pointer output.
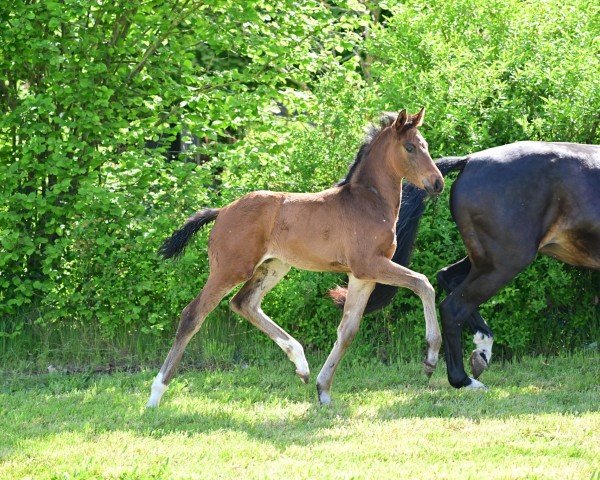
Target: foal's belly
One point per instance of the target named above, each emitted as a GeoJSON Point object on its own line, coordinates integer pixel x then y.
{"type": "Point", "coordinates": [309, 260]}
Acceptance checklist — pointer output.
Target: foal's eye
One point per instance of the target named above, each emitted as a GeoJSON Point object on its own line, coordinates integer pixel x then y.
{"type": "Point", "coordinates": [409, 147]}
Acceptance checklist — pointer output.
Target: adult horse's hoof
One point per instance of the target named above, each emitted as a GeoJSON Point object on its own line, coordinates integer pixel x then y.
{"type": "Point", "coordinates": [478, 363]}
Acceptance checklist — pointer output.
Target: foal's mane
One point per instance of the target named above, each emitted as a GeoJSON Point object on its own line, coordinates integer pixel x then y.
{"type": "Point", "coordinates": [387, 118]}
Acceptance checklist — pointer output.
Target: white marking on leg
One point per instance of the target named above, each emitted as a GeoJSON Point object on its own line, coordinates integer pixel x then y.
{"type": "Point", "coordinates": [324, 397]}
{"type": "Point", "coordinates": [433, 335]}
{"type": "Point", "coordinates": [432, 329]}
{"type": "Point", "coordinates": [358, 295]}
{"type": "Point", "coordinates": [476, 385]}
{"type": "Point", "coordinates": [484, 344]}
{"type": "Point", "coordinates": [157, 390]}
{"type": "Point", "coordinates": [247, 304]}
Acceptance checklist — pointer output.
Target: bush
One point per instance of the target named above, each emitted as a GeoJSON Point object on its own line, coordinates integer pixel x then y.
{"type": "Point", "coordinates": [276, 95]}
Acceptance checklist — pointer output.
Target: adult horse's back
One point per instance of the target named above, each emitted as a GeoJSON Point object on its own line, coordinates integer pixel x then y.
{"type": "Point", "coordinates": [509, 203]}
{"type": "Point", "coordinates": [549, 191]}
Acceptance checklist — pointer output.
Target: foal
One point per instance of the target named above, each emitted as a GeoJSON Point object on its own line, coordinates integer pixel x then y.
{"type": "Point", "coordinates": [349, 228]}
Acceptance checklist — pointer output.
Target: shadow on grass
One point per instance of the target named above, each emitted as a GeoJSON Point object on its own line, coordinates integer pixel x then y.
{"type": "Point", "coordinates": [270, 404]}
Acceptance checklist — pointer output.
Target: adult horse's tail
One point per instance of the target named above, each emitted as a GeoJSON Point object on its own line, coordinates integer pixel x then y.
{"type": "Point", "coordinates": [176, 243]}
{"type": "Point", "coordinates": [411, 211]}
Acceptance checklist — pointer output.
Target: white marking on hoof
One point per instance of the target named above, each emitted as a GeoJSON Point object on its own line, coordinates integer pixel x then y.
{"type": "Point", "coordinates": [157, 390]}
{"type": "Point", "coordinates": [476, 385]}
{"type": "Point", "coordinates": [484, 344]}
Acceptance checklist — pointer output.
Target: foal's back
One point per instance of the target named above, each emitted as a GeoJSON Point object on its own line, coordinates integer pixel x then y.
{"type": "Point", "coordinates": [547, 194]}
{"type": "Point", "coordinates": [312, 231]}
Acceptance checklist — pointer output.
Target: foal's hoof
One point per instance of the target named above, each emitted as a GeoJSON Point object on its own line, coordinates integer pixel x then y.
{"type": "Point", "coordinates": [304, 376]}
{"type": "Point", "coordinates": [428, 368]}
{"type": "Point", "coordinates": [478, 363]}
{"type": "Point", "coordinates": [324, 397]}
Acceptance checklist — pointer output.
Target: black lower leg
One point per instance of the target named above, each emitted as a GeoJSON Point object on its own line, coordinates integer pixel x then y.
{"type": "Point", "coordinates": [452, 335]}
{"type": "Point", "coordinates": [476, 323]}
{"type": "Point", "coordinates": [452, 276]}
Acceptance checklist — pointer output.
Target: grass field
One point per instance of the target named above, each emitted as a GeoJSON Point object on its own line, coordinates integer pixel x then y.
{"type": "Point", "coordinates": [540, 419]}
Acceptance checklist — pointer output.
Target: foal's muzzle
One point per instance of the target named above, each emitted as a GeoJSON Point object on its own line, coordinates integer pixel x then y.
{"type": "Point", "coordinates": [435, 186]}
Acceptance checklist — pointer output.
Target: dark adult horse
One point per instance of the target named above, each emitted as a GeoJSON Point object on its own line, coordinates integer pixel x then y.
{"type": "Point", "coordinates": [509, 203]}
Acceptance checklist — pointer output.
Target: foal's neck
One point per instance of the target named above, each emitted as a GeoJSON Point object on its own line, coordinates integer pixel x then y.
{"type": "Point", "coordinates": [379, 175]}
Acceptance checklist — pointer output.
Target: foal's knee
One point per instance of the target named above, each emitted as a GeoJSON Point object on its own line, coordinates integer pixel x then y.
{"type": "Point", "coordinates": [424, 288]}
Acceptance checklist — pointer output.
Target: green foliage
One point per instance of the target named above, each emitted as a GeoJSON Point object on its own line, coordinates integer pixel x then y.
{"type": "Point", "coordinates": [493, 73]}
{"type": "Point", "coordinates": [85, 203]}
{"type": "Point", "coordinates": [278, 93]}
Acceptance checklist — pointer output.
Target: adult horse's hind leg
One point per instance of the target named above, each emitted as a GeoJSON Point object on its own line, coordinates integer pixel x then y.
{"type": "Point", "coordinates": [247, 303]}
{"type": "Point", "coordinates": [478, 287]}
{"type": "Point", "coordinates": [356, 301]}
{"type": "Point", "coordinates": [451, 277]}
{"type": "Point", "coordinates": [191, 320]}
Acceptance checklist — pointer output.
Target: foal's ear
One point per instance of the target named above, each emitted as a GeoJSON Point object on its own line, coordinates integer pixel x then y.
{"type": "Point", "coordinates": [400, 121]}
{"type": "Point", "coordinates": [418, 118]}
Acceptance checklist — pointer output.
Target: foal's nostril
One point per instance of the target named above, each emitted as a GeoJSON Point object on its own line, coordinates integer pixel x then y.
{"type": "Point", "coordinates": [438, 186]}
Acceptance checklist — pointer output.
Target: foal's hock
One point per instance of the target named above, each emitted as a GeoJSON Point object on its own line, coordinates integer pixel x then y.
{"type": "Point", "coordinates": [349, 228]}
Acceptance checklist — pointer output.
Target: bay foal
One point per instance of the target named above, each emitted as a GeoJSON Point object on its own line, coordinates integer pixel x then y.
{"type": "Point", "coordinates": [349, 228]}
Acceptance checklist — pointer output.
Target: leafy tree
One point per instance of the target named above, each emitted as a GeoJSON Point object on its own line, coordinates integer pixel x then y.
{"type": "Point", "coordinates": [84, 87]}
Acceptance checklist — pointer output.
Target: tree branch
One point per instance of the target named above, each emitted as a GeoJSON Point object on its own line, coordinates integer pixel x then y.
{"type": "Point", "coordinates": [154, 46]}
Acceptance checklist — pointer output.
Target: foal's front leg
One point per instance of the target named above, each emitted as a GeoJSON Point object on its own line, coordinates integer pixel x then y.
{"type": "Point", "coordinates": [383, 270]}
{"type": "Point", "coordinates": [358, 295]}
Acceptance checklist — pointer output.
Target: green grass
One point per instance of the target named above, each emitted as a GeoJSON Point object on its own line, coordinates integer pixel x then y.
{"type": "Point", "coordinates": [540, 419]}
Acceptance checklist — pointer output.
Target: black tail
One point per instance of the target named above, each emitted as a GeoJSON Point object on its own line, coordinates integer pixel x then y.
{"type": "Point", "coordinates": [449, 164]}
{"type": "Point", "coordinates": [412, 207]}
{"type": "Point", "coordinates": [174, 246]}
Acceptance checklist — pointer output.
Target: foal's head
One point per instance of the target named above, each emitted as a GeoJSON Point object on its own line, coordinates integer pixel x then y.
{"type": "Point", "coordinates": [408, 153]}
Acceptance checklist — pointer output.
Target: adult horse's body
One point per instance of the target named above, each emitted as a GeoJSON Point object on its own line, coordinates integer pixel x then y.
{"type": "Point", "coordinates": [349, 228]}
{"type": "Point", "coordinates": [509, 203]}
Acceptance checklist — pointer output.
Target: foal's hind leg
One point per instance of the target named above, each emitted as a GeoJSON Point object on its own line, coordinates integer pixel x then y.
{"type": "Point", "coordinates": [247, 303]}
{"type": "Point", "coordinates": [451, 277]}
{"type": "Point", "coordinates": [192, 318]}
